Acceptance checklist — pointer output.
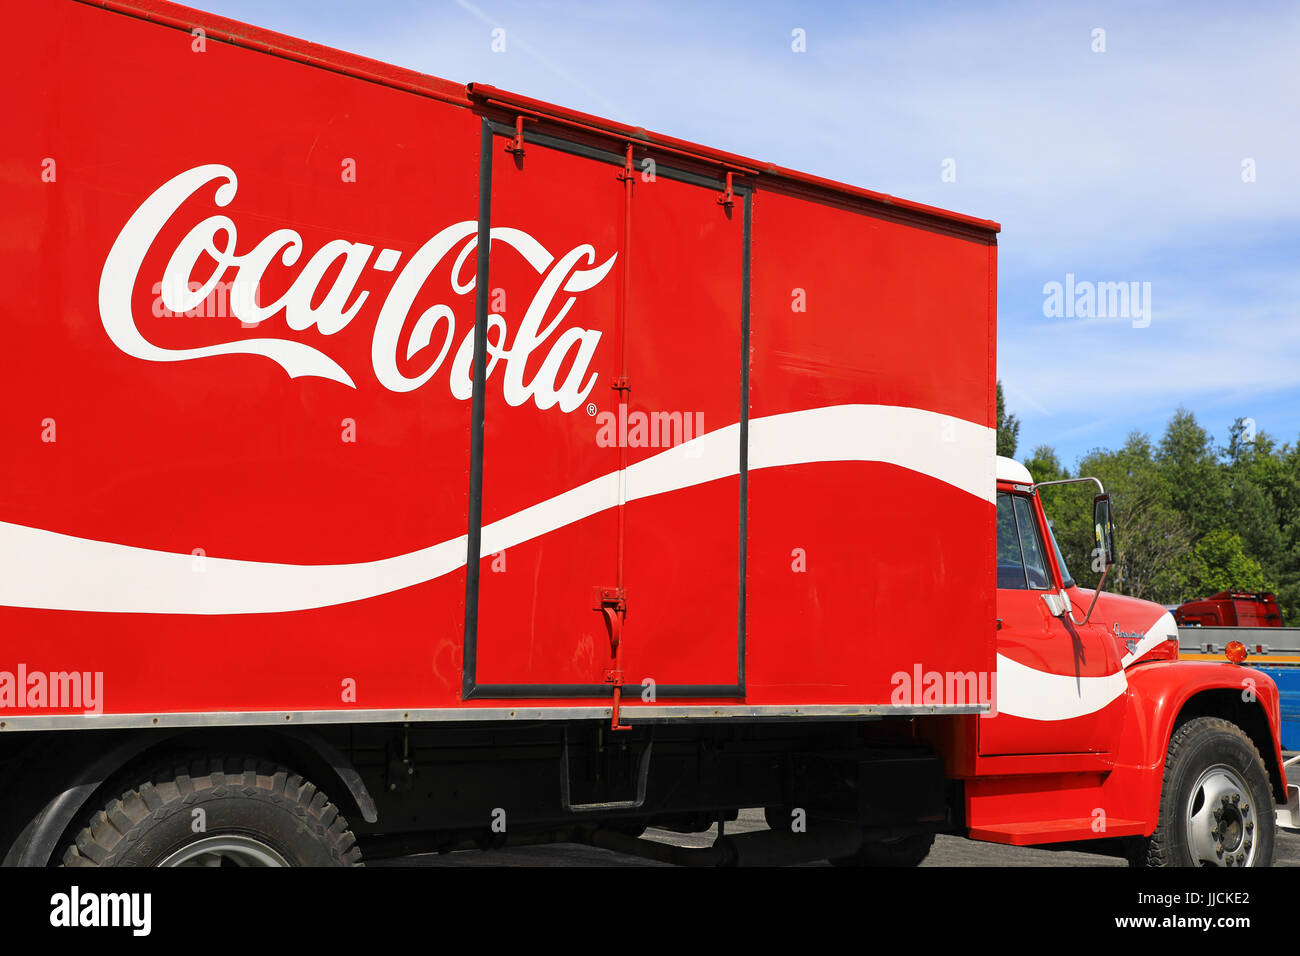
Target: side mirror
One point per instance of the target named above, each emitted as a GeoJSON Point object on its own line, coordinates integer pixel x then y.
{"type": "Point", "coordinates": [1104, 531]}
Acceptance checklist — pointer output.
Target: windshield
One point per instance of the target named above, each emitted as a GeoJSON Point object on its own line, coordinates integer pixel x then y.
{"type": "Point", "coordinates": [1066, 579]}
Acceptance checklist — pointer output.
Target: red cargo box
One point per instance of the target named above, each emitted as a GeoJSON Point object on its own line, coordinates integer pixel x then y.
{"type": "Point", "coordinates": [706, 427]}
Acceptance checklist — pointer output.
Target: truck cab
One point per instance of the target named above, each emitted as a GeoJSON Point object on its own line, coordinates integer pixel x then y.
{"type": "Point", "coordinates": [1098, 731]}
{"type": "Point", "coordinates": [1060, 682]}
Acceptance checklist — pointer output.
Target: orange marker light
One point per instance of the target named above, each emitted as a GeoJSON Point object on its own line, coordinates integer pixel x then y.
{"type": "Point", "coordinates": [1235, 651]}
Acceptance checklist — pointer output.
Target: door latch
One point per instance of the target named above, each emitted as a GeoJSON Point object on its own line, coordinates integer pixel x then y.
{"type": "Point", "coordinates": [612, 603]}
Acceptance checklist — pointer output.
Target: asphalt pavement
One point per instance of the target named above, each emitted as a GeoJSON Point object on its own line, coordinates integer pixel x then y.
{"type": "Point", "coordinates": [948, 851]}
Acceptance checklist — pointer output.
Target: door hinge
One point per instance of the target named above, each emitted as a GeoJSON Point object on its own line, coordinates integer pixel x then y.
{"type": "Point", "coordinates": [728, 197]}
{"type": "Point", "coordinates": [627, 174]}
{"type": "Point", "coordinates": [516, 143]}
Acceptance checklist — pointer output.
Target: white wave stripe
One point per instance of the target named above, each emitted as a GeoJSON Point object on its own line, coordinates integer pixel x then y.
{"type": "Point", "coordinates": [1164, 629]}
{"type": "Point", "coordinates": [1025, 691]}
{"type": "Point", "coordinates": [48, 570]}
{"type": "Point", "coordinates": [953, 450]}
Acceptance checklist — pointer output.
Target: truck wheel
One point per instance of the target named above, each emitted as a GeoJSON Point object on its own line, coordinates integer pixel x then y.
{"type": "Point", "coordinates": [217, 811]}
{"type": "Point", "coordinates": [905, 851]}
{"type": "Point", "coordinates": [1216, 805]}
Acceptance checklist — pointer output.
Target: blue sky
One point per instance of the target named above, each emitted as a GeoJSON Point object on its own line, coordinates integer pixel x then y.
{"type": "Point", "coordinates": [1117, 166]}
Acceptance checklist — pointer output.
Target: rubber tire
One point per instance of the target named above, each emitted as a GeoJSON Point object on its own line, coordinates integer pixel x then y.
{"type": "Point", "coordinates": [906, 851]}
{"type": "Point", "coordinates": [243, 795]}
{"type": "Point", "coordinates": [1196, 745]}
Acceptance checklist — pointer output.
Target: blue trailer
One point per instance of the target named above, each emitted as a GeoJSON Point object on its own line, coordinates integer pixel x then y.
{"type": "Point", "coordinates": [1274, 650]}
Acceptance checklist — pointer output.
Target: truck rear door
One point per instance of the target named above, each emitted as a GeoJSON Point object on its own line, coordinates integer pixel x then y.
{"type": "Point", "coordinates": [627, 490]}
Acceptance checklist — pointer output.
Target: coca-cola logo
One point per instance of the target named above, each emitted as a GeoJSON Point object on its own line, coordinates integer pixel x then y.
{"type": "Point", "coordinates": [216, 239]}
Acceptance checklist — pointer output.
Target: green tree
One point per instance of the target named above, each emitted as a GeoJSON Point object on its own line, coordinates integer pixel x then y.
{"type": "Point", "coordinates": [1264, 479]}
{"type": "Point", "coordinates": [1192, 518]}
{"type": "Point", "coordinates": [1219, 562]}
{"type": "Point", "coordinates": [1191, 472]}
{"type": "Point", "coordinates": [1151, 538]}
{"type": "Point", "coordinates": [1156, 535]}
{"type": "Point", "coordinates": [1008, 430]}
{"type": "Point", "coordinates": [1044, 465]}
{"type": "Point", "coordinates": [1279, 474]}
{"type": "Point", "coordinates": [1258, 485]}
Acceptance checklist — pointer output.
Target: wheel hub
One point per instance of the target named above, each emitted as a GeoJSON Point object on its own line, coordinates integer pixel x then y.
{"type": "Point", "coordinates": [227, 849]}
{"type": "Point", "coordinates": [1220, 819]}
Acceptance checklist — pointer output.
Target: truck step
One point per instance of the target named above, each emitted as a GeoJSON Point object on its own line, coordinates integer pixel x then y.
{"type": "Point", "coordinates": [1053, 831]}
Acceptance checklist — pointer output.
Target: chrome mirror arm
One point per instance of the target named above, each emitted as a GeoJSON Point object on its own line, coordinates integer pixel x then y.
{"type": "Point", "coordinates": [1095, 594]}
{"type": "Point", "coordinates": [1071, 481]}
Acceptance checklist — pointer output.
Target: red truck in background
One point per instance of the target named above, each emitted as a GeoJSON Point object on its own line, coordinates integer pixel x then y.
{"type": "Point", "coordinates": [396, 465]}
{"type": "Point", "coordinates": [1231, 609]}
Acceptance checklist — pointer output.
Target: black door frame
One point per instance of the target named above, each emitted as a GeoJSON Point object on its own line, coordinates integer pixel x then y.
{"type": "Point", "coordinates": [470, 688]}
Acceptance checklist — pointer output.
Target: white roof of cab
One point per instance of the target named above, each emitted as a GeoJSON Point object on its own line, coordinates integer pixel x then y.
{"type": "Point", "coordinates": [1011, 470]}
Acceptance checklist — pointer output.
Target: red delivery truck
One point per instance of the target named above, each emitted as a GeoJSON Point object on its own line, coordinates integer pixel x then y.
{"type": "Point", "coordinates": [397, 465]}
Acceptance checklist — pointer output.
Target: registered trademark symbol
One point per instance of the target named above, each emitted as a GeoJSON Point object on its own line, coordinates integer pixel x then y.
{"type": "Point", "coordinates": [591, 408]}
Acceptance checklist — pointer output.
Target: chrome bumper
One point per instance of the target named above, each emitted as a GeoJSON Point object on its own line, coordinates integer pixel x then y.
{"type": "Point", "coordinates": [1288, 817]}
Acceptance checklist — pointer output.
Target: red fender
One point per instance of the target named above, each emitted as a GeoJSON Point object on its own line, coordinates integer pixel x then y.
{"type": "Point", "coordinates": [1157, 693]}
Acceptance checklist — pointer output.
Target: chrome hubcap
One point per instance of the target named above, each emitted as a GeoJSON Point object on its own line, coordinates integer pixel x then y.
{"type": "Point", "coordinates": [228, 849]}
{"type": "Point", "coordinates": [1221, 820]}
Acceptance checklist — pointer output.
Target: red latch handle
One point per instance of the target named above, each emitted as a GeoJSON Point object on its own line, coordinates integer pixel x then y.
{"type": "Point", "coordinates": [613, 605]}
{"type": "Point", "coordinates": [614, 618]}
